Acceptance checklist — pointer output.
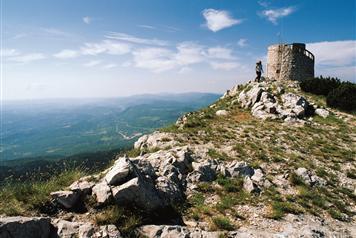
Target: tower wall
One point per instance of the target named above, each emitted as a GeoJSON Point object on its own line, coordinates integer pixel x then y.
{"type": "Point", "coordinates": [289, 62]}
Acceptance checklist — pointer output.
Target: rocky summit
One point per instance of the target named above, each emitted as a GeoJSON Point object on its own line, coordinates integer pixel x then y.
{"type": "Point", "coordinates": [265, 160]}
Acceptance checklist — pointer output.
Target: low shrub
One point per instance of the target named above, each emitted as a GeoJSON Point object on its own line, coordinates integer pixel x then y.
{"type": "Point", "coordinates": [343, 97]}
{"type": "Point", "coordinates": [223, 223]}
{"type": "Point", "coordinates": [320, 85]}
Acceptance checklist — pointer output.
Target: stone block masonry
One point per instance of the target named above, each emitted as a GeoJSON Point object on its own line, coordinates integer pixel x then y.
{"type": "Point", "coordinates": [289, 62]}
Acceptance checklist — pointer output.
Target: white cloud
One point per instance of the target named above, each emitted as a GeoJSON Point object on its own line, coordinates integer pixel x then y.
{"type": "Point", "coordinates": [335, 53]}
{"type": "Point", "coordinates": [263, 3]}
{"type": "Point", "coordinates": [185, 70]}
{"type": "Point", "coordinates": [92, 63]}
{"type": "Point", "coordinates": [126, 64]}
{"type": "Point", "coordinates": [55, 32]}
{"type": "Point", "coordinates": [274, 14]}
{"type": "Point", "coordinates": [189, 53]}
{"type": "Point", "coordinates": [242, 42]}
{"type": "Point", "coordinates": [335, 58]}
{"type": "Point", "coordinates": [147, 27]}
{"type": "Point", "coordinates": [26, 58]}
{"type": "Point", "coordinates": [87, 20]}
{"type": "Point", "coordinates": [154, 59]}
{"type": "Point", "coordinates": [109, 66]}
{"type": "Point", "coordinates": [106, 46]}
{"type": "Point", "coordinates": [224, 65]}
{"type": "Point", "coordinates": [134, 39]}
{"type": "Point", "coordinates": [9, 52]}
{"type": "Point", "coordinates": [66, 54]}
{"type": "Point", "coordinates": [217, 20]}
{"type": "Point", "coordinates": [220, 53]}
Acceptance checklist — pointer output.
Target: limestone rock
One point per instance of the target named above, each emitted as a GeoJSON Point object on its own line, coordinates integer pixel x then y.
{"type": "Point", "coordinates": [119, 172]}
{"type": "Point", "coordinates": [66, 198]}
{"type": "Point", "coordinates": [203, 172]}
{"type": "Point", "coordinates": [250, 186]}
{"type": "Point", "coordinates": [257, 175]}
{"type": "Point", "coordinates": [322, 112]}
{"type": "Point", "coordinates": [108, 231]}
{"type": "Point", "coordinates": [298, 105]}
{"type": "Point", "coordinates": [166, 231]}
{"type": "Point", "coordinates": [169, 191]}
{"type": "Point", "coordinates": [155, 140]}
{"type": "Point", "coordinates": [222, 113]}
{"type": "Point", "coordinates": [138, 192]}
{"type": "Point", "coordinates": [67, 229]}
{"type": "Point", "coordinates": [309, 178]}
{"type": "Point", "coordinates": [83, 186]}
{"type": "Point", "coordinates": [86, 230]}
{"type": "Point", "coordinates": [249, 97]}
{"type": "Point", "coordinates": [238, 168]}
{"type": "Point", "coordinates": [29, 227]}
{"type": "Point", "coordinates": [102, 192]}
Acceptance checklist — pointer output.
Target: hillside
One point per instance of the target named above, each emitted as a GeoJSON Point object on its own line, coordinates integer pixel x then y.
{"type": "Point", "coordinates": [265, 160]}
{"type": "Point", "coordinates": [52, 129]}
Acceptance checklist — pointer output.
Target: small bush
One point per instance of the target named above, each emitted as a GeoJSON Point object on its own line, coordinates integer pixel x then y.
{"type": "Point", "coordinates": [343, 97]}
{"type": "Point", "coordinates": [223, 223]}
{"type": "Point", "coordinates": [320, 85]}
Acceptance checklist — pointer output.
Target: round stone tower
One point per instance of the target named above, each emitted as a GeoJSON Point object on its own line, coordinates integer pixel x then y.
{"type": "Point", "coordinates": [289, 62]}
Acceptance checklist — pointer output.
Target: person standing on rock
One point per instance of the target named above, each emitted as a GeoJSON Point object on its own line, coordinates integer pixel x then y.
{"type": "Point", "coordinates": [259, 71]}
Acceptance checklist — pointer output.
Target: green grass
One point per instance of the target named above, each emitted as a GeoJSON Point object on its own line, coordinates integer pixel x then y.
{"type": "Point", "coordinates": [279, 209]}
{"type": "Point", "coordinates": [230, 184]}
{"type": "Point", "coordinates": [223, 223]}
{"type": "Point", "coordinates": [26, 198]}
{"type": "Point", "coordinates": [126, 220]}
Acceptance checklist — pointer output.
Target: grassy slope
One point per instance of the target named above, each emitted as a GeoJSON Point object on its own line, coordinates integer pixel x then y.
{"type": "Point", "coordinates": [326, 147]}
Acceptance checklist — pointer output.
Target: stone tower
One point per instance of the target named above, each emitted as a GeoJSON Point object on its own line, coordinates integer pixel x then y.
{"type": "Point", "coordinates": [289, 62]}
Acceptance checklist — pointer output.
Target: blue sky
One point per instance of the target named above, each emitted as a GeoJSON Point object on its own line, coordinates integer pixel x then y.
{"type": "Point", "coordinates": [96, 48]}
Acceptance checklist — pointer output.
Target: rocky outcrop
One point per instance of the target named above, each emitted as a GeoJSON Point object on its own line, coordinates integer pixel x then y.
{"type": "Point", "coordinates": [71, 229]}
{"type": "Point", "coordinates": [67, 199]}
{"type": "Point", "coordinates": [268, 103]}
{"type": "Point", "coordinates": [222, 113]}
{"type": "Point", "coordinates": [175, 231]}
{"type": "Point", "coordinates": [322, 112]}
{"type": "Point", "coordinates": [310, 178]}
{"type": "Point", "coordinates": [155, 140]}
{"type": "Point", "coordinates": [29, 227]}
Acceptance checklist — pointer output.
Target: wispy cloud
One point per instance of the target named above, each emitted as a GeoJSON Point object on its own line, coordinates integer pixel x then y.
{"type": "Point", "coordinates": [26, 58]}
{"type": "Point", "coordinates": [336, 53]}
{"type": "Point", "coordinates": [335, 58]}
{"type": "Point", "coordinates": [242, 42]}
{"type": "Point", "coordinates": [158, 59]}
{"type": "Point", "coordinates": [147, 27]}
{"type": "Point", "coordinates": [224, 65]}
{"type": "Point", "coordinates": [263, 3]}
{"type": "Point", "coordinates": [106, 46]}
{"type": "Point", "coordinates": [274, 14]}
{"type": "Point", "coordinates": [154, 59]}
{"type": "Point", "coordinates": [109, 66]}
{"type": "Point", "coordinates": [220, 53]}
{"type": "Point", "coordinates": [134, 39]}
{"type": "Point", "coordinates": [55, 32]}
{"type": "Point", "coordinates": [9, 52]}
{"type": "Point", "coordinates": [217, 20]}
{"type": "Point", "coordinates": [189, 53]}
{"type": "Point", "coordinates": [92, 63]}
{"type": "Point", "coordinates": [87, 20]}
{"type": "Point", "coordinates": [66, 54]}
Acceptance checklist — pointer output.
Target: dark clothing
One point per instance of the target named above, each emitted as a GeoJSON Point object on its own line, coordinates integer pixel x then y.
{"type": "Point", "coordinates": [259, 71]}
{"type": "Point", "coordinates": [258, 78]}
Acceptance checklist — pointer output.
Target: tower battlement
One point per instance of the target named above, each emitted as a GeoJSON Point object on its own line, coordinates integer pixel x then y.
{"type": "Point", "coordinates": [289, 62]}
